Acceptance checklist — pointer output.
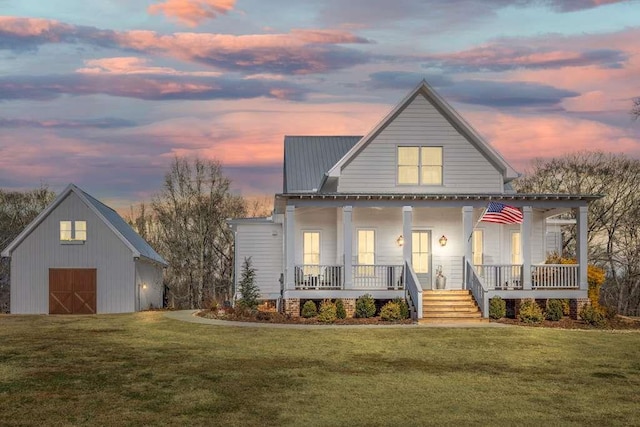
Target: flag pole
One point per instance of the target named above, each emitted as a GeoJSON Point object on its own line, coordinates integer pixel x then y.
{"type": "Point", "coordinates": [477, 222]}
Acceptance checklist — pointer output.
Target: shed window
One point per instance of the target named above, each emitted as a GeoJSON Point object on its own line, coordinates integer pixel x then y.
{"type": "Point", "coordinates": [73, 231]}
{"type": "Point", "coordinates": [420, 165]}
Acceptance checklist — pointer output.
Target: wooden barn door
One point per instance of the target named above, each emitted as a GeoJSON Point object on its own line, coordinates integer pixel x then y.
{"type": "Point", "coordinates": [72, 291]}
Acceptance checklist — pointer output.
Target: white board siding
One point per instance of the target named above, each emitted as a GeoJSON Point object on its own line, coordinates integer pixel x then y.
{"type": "Point", "coordinates": [150, 275]}
{"type": "Point", "coordinates": [263, 243]}
{"type": "Point", "coordinates": [465, 169]}
{"type": "Point", "coordinates": [41, 250]}
{"type": "Point", "coordinates": [317, 219]}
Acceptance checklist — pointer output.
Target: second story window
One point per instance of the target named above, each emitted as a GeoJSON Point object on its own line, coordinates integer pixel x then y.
{"type": "Point", "coordinates": [73, 231]}
{"type": "Point", "coordinates": [420, 165]}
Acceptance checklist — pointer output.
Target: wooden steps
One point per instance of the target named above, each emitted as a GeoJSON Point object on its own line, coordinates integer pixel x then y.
{"type": "Point", "coordinates": [454, 306]}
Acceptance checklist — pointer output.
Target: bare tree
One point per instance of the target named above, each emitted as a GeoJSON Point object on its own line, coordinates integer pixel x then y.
{"type": "Point", "coordinates": [17, 210]}
{"type": "Point", "coordinates": [258, 206]}
{"type": "Point", "coordinates": [613, 222]}
{"type": "Point", "coordinates": [189, 230]}
{"type": "Point", "coordinates": [635, 110]}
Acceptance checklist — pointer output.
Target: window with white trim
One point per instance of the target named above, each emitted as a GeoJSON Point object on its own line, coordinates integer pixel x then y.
{"type": "Point", "coordinates": [311, 252]}
{"type": "Point", "coordinates": [420, 251]}
{"type": "Point", "coordinates": [73, 231]}
{"type": "Point", "coordinates": [366, 252]}
{"type": "Point", "coordinates": [419, 165]}
{"type": "Point", "coordinates": [477, 247]}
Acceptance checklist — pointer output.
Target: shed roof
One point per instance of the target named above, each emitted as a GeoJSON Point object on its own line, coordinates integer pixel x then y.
{"type": "Point", "coordinates": [308, 158]}
{"type": "Point", "coordinates": [138, 246]}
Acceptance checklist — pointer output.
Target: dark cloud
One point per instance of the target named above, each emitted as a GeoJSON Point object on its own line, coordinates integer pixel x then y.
{"type": "Point", "coordinates": [104, 123]}
{"type": "Point", "coordinates": [146, 87]}
{"type": "Point", "coordinates": [503, 57]}
{"type": "Point", "coordinates": [506, 94]}
{"type": "Point", "coordinates": [296, 52]}
{"type": "Point", "coordinates": [404, 80]}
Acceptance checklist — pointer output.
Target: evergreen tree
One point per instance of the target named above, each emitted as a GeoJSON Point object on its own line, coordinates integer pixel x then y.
{"type": "Point", "coordinates": [249, 291]}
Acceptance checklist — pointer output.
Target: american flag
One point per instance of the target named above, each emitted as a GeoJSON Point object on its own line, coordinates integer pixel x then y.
{"type": "Point", "coordinates": [502, 214]}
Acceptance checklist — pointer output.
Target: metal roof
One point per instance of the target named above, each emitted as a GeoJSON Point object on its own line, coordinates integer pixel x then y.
{"type": "Point", "coordinates": [308, 158]}
{"type": "Point", "coordinates": [141, 246]}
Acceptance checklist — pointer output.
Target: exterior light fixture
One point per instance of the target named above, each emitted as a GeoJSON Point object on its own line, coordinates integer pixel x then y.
{"type": "Point", "coordinates": [144, 286]}
{"type": "Point", "coordinates": [400, 240]}
{"type": "Point", "coordinates": [443, 240]}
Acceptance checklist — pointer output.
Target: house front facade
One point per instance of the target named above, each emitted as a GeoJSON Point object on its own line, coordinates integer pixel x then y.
{"type": "Point", "coordinates": [402, 212]}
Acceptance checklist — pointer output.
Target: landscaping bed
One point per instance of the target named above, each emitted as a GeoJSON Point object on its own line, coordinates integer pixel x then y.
{"type": "Point", "coordinates": [617, 323]}
{"type": "Point", "coordinates": [275, 317]}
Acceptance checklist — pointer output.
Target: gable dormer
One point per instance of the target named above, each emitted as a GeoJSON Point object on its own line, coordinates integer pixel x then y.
{"type": "Point", "coordinates": [422, 146]}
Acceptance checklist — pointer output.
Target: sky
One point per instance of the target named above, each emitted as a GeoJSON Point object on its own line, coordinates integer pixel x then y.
{"type": "Point", "coordinates": [105, 93]}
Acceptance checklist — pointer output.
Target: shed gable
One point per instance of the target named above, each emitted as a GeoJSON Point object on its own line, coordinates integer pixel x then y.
{"type": "Point", "coordinates": [420, 123]}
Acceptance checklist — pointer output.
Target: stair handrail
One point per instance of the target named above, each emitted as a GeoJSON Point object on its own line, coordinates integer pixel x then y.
{"type": "Point", "coordinates": [475, 285]}
{"type": "Point", "coordinates": [413, 290]}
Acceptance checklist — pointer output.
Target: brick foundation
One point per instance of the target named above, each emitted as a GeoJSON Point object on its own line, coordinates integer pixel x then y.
{"type": "Point", "coordinates": [349, 306]}
{"type": "Point", "coordinates": [292, 307]}
{"type": "Point", "coordinates": [575, 305]}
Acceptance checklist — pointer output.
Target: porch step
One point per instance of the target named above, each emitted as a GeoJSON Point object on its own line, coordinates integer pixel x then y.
{"type": "Point", "coordinates": [454, 306]}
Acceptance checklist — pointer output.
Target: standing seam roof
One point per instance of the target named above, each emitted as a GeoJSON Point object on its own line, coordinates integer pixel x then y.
{"type": "Point", "coordinates": [308, 158]}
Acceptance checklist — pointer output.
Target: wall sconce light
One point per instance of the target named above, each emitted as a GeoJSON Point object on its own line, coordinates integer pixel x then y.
{"type": "Point", "coordinates": [400, 240]}
{"type": "Point", "coordinates": [443, 240]}
{"type": "Point", "coordinates": [144, 286]}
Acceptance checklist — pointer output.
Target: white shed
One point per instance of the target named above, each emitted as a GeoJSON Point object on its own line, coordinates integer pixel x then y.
{"type": "Point", "coordinates": [80, 257]}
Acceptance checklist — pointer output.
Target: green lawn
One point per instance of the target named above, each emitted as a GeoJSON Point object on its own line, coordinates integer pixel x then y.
{"type": "Point", "coordinates": [145, 369]}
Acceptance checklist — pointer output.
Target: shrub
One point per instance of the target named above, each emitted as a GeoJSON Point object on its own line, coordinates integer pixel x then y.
{"type": "Point", "coordinates": [592, 316]}
{"type": "Point", "coordinates": [365, 306]}
{"type": "Point", "coordinates": [404, 307]}
{"type": "Point", "coordinates": [530, 312]}
{"type": "Point", "coordinates": [309, 309]}
{"type": "Point", "coordinates": [247, 288]}
{"type": "Point", "coordinates": [390, 311]}
{"type": "Point", "coordinates": [554, 310]}
{"type": "Point", "coordinates": [341, 313]}
{"type": "Point", "coordinates": [327, 313]}
{"type": "Point", "coordinates": [609, 311]}
{"type": "Point", "coordinates": [497, 308]}
{"type": "Point", "coordinates": [566, 306]}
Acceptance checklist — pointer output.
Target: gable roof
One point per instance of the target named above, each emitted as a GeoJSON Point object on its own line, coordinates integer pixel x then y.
{"type": "Point", "coordinates": [308, 158]}
{"type": "Point", "coordinates": [138, 246]}
{"type": "Point", "coordinates": [448, 113]}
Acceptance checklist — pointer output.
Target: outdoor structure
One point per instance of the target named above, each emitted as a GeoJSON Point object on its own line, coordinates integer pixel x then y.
{"type": "Point", "coordinates": [80, 257]}
{"type": "Point", "coordinates": [397, 213]}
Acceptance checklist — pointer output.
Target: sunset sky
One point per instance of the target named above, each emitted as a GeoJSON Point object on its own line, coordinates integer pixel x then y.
{"type": "Point", "coordinates": [104, 93]}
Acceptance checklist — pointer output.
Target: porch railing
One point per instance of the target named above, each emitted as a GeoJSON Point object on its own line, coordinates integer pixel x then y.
{"type": "Point", "coordinates": [474, 284]}
{"type": "Point", "coordinates": [318, 276]}
{"type": "Point", "coordinates": [377, 277]}
{"type": "Point", "coordinates": [500, 277]}
{"type": "Point", "coordinates": [554, 276]}
{"type": "Point", "coordinates": [414, 291]}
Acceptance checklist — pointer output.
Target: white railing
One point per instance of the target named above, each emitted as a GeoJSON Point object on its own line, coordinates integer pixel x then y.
{"type": "Point", "coordinates": [377, 277]}
{"type": "Point", "coordinates": [554, 276]}
{"type": "Point", "coordinates": [318, 276]}
{"type": "Point", "coordinates": [414, 290]}
{"type": "Point", "coordinates": [474, 284]}
{"type": "Point", "coordinates": [500, 277]}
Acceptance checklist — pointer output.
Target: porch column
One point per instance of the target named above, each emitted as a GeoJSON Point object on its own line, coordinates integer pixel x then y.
{"type": "Point", "coordinates": [525, 243]}
{"type": "Point", "coordinates": [582, 247]}
{"type": "Point", "coordinates": [347, 235]}
{"type": "Point", "coordinates": [290, 247]}
{"type": "Point", "coordinates": [467, 231]}
{"type": "Point", "coordinates": [407, 228]}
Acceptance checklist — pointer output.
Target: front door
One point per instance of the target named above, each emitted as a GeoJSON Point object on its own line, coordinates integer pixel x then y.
{"type": "Point", "coordinates": [421, 256]}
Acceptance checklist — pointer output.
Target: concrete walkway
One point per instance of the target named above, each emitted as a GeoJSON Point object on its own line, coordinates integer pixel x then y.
{"type": "Point", "coordinates": [190, 316]}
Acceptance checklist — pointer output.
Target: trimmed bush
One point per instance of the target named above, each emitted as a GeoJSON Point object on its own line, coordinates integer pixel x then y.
{"type": "Point", "coordinates": [530, 312]}
{"type": "Point", "coordinates": [497, 308]}
{"type": "Point", "coordinates": [554, 310]}
{"type": "Point", "coordinates": [327, 312]}
{"type": "Point", "coordinates": [309, 309]}
{"type": "Point", "coordinates": [592, 316]}
{"type": "Point", "coordinates": [390, 312]}
{"type": "Point", "coordinates": [341, 313]}
{"type": "Point", "coordinates": [404, 307]}
{"type": "Point", "coordinates": [365, 306]}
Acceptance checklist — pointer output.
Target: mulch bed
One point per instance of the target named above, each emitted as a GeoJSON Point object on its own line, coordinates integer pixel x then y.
{"type": "Point", "coordinates": [619, 322]}
{"type": "Point", "coordinates": [273, 317]}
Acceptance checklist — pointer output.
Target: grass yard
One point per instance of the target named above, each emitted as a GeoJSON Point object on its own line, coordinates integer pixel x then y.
{"type": "Point", "coordinates": [145, 369]}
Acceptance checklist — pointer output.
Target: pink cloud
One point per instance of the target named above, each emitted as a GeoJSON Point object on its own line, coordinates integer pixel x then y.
{"type": "Point", "coordinates": [192, 12]}
{"type": "Point", "coordinates": [134, 65]}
